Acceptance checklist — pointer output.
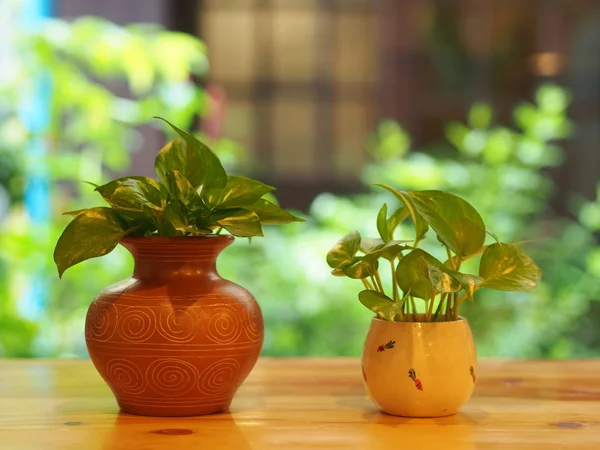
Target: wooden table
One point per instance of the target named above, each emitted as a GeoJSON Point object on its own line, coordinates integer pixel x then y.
{"type": "Point", "coordinates": [305, 403]}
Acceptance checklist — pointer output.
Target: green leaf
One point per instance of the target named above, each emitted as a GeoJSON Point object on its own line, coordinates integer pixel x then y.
{"type": "Point", "coordinates": [396, 219]}
{"type": "Point", "coordinates": [505, 267]}
{"type": "Point", "coordinates": [176, 214]}
{"type": "Point", "coordinates": [469, 283]}
{"type": "Point", "coordinates": [239, 222]}
{"type": "Point", "coordinates": [74, 213]}
{"type": "Point", "coordinates": [180, 187]}
{"type": "Point", "coordinates": [420, 224]}
{"type": "Point", "coordinates": [492, 234]}
{"type": "Point", "coordinates": [271, 214]}
{"type": "Point", "coordinates": [194, 160]}
{"type": "Point", "coordinates": [238, 193]}
{"type": "Point", "coordinates": [457, 224]}
{"type": "Point", "coordinates": [389, 250]}
{"type": "Point", "coordinates": [421, 274]}
{"type": "Point", "coordinates": [344, 250]}
{"type": "Point", "coordinates": [135, 198]}
{"type": "Point", "coordinates": [383, 306]}
{"type": "Point", "coordinates": [359, 268]}
{"type": "Point", "coordinates": [94, 185]}
{"type": "Point", "coordinates": [369, 245]}
{"type": "Point", "coordinates": [382, 224]}
{"type": "Point", "coordinates": [92, 233]}
{"type": "Point", "coordinates": [194, 231]}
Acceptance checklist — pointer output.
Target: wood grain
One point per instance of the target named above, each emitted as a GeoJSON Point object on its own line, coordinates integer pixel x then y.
{"type": "Point", "coordinates": [305, 403]}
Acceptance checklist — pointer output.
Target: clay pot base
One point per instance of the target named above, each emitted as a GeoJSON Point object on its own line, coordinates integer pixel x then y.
{"type": "Point", "coordinates": [172, 411]}
{"type": "Point", "coordinates": [436, 416]}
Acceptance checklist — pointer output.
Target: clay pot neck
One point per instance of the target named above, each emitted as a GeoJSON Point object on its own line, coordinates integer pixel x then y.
{"type": "Point", "coordinates": [159, 257]}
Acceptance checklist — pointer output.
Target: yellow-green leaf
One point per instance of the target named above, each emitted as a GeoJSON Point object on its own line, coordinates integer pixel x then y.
{"type": "Point", "coordinates": [382, 224]}
{"type": "Point", "coordinates": [136, 198]}
{"type": "Point", "coordinates": [271, 214]}
{"type": "Point", "coordinates": [238, 193]}
{"type": "Point", "coordinates": [344, 250]}
{"type": "Point", "coordinates": [92, 233]}
{"type": "Point", "coordinates": [359, 268]}
{"type": "Point", "coordinates": [194, 160]}
{"type": "Point", "coordinates": [239, 222]}
{"type": "Point", "coordinates": [419, 273]}
{"type": "Point", "coordinates": [506, 267]}
{"type": "Point", "coordinates": [457, 224]}
{"type": "Point", "coordinates": [383, 306]}
{"type": "Point", "coordinates": [180, 188]}
{"type": "Point", "coordinates": [419, 223]}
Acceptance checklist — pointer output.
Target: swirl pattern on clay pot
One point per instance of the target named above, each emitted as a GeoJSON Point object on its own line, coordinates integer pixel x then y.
{"type": "Point", "coordinates": [176, 339]}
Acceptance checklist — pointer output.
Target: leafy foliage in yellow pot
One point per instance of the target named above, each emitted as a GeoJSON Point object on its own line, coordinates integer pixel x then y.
{"type": "Point", "coordinates": [415, 273]}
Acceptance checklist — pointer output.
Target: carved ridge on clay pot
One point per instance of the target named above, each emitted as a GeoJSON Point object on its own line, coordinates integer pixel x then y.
{"type": "Point", "coordinates": [175, 339]}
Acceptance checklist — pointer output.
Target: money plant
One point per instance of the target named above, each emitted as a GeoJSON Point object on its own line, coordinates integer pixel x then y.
{"type": "Point", "coordinates": [441, 285]}
{"type": "Point", "coordinates": [193, 196]}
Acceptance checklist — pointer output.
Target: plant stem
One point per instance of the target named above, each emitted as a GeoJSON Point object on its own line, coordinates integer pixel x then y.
{"type": "Point", "coordinates": [414, 308]}
{"type": "Point", "coordinates": [394, 282]}
{"type": "Point", "coordinates": [457, 303]}
{"type": "Point", "coordinates": [450, 260]}
{"type": "Point", "coordinates": [219, 230]}
{"type": "Point", "coordinates": [379, 283]}
{"type": "Point", "coordinates": [440, 306]}
{"type": "Point", "coordinates": [374, 283]}
{"type": "Point", "coordinates": [429, 309]}
{"type": "Point", "coordinates": [367, 284]}
{"type": "Point", "coordinates": [451, 297]}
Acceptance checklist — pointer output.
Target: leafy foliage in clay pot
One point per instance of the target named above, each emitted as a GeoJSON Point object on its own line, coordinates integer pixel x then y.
{"type": "Point", "coordinates": [193, 196]}
{"type": "Point", "coordinates": [417, 274]}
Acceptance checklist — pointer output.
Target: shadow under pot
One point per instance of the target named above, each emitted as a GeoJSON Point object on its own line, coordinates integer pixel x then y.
{"type": "Point", "coordinates": [419, 369]}
{"type": "Point", "coordinates": [175, 339]}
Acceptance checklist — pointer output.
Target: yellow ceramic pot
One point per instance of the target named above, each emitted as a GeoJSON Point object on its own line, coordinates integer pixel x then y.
{"type": "Point", "coordinates": [419, 369]}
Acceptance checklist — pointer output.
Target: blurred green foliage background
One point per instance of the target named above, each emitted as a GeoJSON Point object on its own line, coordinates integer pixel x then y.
{"type": "Point", "coordinates": [108, 81]}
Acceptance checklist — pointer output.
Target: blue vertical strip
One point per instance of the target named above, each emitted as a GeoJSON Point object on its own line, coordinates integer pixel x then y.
{"type": "Point", "coordinates": [35, 114]}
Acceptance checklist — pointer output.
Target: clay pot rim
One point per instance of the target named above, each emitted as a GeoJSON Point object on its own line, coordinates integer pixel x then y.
{"type": "Point", "coordinates": [460, 320]}
{"type": "Point", "coordinates": [178, 239]}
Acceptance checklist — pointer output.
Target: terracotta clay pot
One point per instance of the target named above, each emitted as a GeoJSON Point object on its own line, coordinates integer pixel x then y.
{"type": "Point", "coordinates": [419, 369]}
{"type": "Point", "coordinates": [175, 339]}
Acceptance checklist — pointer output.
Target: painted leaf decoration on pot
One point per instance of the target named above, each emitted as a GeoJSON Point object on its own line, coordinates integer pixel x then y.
{"type": "Point", "coordinates": [383, 306]}
{"type": "Point", "coordinates": [506, 267]}
{"type": "Point", "coordinates": [457, 224]}
{"type": "Point", "coordinates": [238, 193]}
{"type": "Point", "coordinates": [239, 222]}
{"type": "Point", "coordinates": [419, 223]}
{"type": "Point", "coordinates": [180, 188]}
{"type": "Point", "coordinates": [271, 214]}
{"type": "Point", "coordinates": [344, 250]}
{"type": "Point", "coordinates": [419, 273]}
{"type": "Point", "coordinates": [92, 233]}
{"type": "Point", "coordinates": [194, 160]}
{"type": "Point", "coordinates": [359, 268]}
{"type": "Point", "coordinates": [382, 224]}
